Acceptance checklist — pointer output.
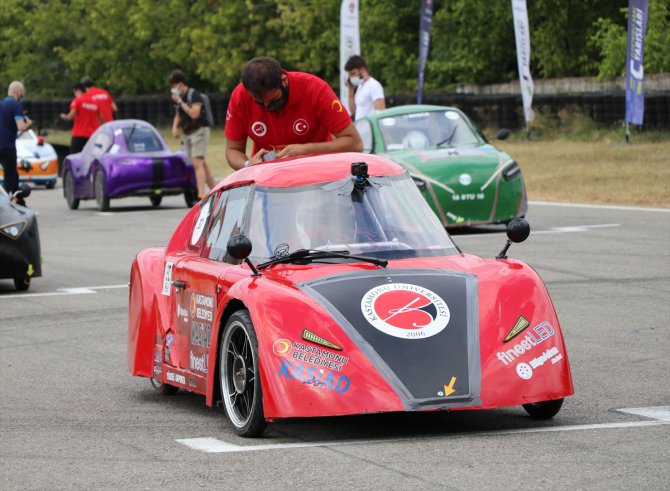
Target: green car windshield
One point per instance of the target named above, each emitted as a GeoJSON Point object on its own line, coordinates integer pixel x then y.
{"type": "Point", "coordinates": [428, 129]}
{"type": "Point", "coordinates": [388, 220]}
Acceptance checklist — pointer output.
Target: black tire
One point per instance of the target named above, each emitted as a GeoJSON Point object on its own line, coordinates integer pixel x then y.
{"type": "Point", "coordinates": [22, 284]}
{"type": "Point", "coordinates": [100, 195]}
{"type": "Point", "coordinates": [68, 191]}
{"type": "Point", "coordinates": [156, 199]}
{"type": "Point", "coordinates": [191, 198]}
{"type": "Point", "coordinates": [163, 389]}
{"type": "Point", "coordinates": [544, 409]}
{"type": "Point", "coordinates": [239, 376]}
{"type": "Point", "coordinates": [50, 184]}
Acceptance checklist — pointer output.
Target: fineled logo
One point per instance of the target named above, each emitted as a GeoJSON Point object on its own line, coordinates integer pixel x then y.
{"type": "Point", "coordinates": [405, 311]}
{"type": "Point", "coordinates": [521, 324]}
{"type": "Point", "coordinates": [313, 338]}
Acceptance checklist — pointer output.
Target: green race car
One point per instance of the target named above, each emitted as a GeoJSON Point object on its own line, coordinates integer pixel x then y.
{"type": "Point", "coordinates": [465, 179]}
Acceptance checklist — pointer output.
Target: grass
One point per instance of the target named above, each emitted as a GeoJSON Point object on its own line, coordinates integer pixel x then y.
{"type": "Point", "coordinates": [569, 158]}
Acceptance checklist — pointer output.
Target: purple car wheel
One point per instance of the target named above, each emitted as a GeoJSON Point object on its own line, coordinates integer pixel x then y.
{"type": "Point", "coordinates": [68, 191]}
{"type": "Point", "coordinates": [100, 195]}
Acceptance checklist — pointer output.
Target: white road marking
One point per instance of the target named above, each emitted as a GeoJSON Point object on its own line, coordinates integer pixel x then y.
{"type": "Point", "coordinates": [601, 207]}
{"type": "Point", "coordinates": [660, 416]}
{"type": "Point", "coordinates": [574, 228]}
{"type": "Point", "coordinates": [85, 290]}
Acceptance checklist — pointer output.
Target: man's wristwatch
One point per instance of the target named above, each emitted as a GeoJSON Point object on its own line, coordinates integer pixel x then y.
{"type": "Point", "coordinates": [246, 163]}
{"type": "Point", "coordinates": [179, 102]}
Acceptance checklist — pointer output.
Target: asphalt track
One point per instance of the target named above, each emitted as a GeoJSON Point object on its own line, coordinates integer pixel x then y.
{"type": "Point", "coordinates": [71, 417]}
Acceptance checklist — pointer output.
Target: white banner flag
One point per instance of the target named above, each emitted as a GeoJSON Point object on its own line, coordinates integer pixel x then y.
{"type": "Point", "coordinates": [522, 36]}
{"type": "Point", "coordinates": [350, 43]}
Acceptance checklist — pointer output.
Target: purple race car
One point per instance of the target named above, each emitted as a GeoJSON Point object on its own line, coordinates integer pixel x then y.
{"type": "Point", "coordinates": [127, 157]}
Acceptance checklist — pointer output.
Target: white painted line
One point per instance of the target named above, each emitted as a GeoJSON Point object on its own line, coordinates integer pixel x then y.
{"type": "Point", "coordinates": [660, 416]}
{"type": "Point", "coordinates": [574, 228]}
{"type": "Point", "coordinates": [601, 207]}
{"type": "Point", "coordinates": [661, 413]}
{"type": "Point", "coordinates": [86, 290]}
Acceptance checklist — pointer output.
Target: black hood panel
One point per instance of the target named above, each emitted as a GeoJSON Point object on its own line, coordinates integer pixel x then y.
{"type": "Point", "coordinates": [418, 327]}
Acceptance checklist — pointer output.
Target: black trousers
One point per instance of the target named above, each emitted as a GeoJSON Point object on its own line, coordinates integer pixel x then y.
{"type": "Point", "coordinates": [8, 160]}
{"type": "Point", "coordinates": [77, 144]}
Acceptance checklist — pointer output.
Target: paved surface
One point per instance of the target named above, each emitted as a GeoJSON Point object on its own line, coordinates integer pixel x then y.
{"type": "Point", "coordinates": [72, 417]}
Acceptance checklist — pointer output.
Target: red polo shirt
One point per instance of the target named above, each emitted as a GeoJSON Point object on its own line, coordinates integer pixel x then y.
{"type": "Point", "coordinates": [312, 113]}
{"type": "Point", "coordinates": [104, 101]}
{"type": "Point", "coordinates": [86, 120]}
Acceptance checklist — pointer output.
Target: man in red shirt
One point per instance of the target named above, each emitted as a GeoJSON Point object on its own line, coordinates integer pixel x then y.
{"type": "Point", "coordinates": [291, 113]}
{"type": "Point", "coordinates": [101, 97]}
{"type": "Point", "coordinates": [87, 118]}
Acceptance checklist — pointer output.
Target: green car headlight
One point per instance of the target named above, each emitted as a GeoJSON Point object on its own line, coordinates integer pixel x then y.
{"type": "Point", "coordinates": [13, 230]}
{"type": "Point", "coordinates": [512, 171]}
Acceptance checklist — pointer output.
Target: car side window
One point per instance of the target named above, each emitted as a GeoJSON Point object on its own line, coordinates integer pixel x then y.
{"type": "Point", "coordinates": [101, 143]}
{"type": "Point", "coordinates": [197, 234]}
{"type": "Point", "coordinates": [365, 130]}
{"type": "Point", "coordinates": [227, 221]}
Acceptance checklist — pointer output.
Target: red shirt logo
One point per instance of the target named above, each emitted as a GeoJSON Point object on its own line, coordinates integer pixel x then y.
{"type": "Point", "coordinates": [258, 128]}
{"type": "Point", "coordinates": [300, 127]}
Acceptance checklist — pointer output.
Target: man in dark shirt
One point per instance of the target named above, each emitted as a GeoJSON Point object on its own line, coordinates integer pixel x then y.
{"type": "Point", "coordinates": [12, 120]}
{"type": "Point", "coordinates": [190, 117]}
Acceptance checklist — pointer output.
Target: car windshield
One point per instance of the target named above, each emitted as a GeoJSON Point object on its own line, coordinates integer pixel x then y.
{"type": "Point", "coordinates": [140, 139]}
{"type": "Point", "coordinates": [388, 220]}
{"type": "Point", "coordinates": [428, 129]}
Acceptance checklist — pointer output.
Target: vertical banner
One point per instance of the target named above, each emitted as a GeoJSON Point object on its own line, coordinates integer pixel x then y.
{"type": "Point", "coordinates": [350, 43]}
{"type": "Point", "coordinates": [637, 28]}
{"type": "Point", "coordinates": [522, 36]}
{"type": "Point", "coordinates": [424, 42]}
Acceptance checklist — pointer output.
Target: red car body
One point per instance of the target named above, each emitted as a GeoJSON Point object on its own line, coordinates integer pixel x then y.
{"type": "Point", "coordinates": [343, 337]}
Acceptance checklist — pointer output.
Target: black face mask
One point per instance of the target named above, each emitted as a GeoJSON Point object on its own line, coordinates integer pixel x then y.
{"type": "Point", "coordinates": [277, 105]}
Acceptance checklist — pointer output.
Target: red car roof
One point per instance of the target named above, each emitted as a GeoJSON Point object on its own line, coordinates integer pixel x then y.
{"type": "Point", "coordinates": [300, 171]}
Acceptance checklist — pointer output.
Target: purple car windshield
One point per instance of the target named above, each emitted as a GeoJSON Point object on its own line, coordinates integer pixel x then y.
{"type": "Point", "coordinates": [140, 139]}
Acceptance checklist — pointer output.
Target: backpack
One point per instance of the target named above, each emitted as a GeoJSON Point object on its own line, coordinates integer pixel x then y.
{"type": "Point", "coordinates": [209, 116]}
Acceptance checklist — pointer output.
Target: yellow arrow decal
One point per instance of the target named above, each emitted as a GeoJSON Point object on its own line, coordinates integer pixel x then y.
{"type": "Point", "coordinates": [30, 270]}
{"type": "Point", "coordinates": [449, 389]}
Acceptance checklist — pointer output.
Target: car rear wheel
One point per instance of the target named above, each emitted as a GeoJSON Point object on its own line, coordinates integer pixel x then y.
{"type": "Point", "coordinates": [544, 409]}
{"type": "Point", "coordinates": [191, 198]}
{"type": "Point", "coordinates": [50, 184]}
{"type": "Point", "coordinates": [100, 195]}
{"type": "Point", "coordinates": [68, 191]}
{"type": "Point", "coordinates": [163, 389]}
{"type": "Point", "coordinates": [239, 376]}
{"type": "Point", "coordinates": [156, 199]}
{"type": "Point", "coordinates": [22, 284]}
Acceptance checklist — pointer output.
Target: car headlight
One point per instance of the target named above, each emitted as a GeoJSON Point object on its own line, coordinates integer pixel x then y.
{"type": "Point", "coordinates": [512, 171]}
{"type": "Point", "coordinates": [44, 165]}
{"type": "Point", "coordinates": [13, 230]}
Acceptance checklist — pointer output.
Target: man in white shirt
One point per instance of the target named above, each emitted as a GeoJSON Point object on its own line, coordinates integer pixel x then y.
{"type": "Point", "coordinates": [365, 93]}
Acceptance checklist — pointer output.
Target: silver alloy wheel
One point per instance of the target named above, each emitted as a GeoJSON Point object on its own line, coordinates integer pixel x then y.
{"type": "Point", "coordinates": [238, 377]}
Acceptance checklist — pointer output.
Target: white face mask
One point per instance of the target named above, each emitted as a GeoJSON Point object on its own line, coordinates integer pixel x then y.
{"type": "Point", "coordinates": [175, 90]}
{"type": "Point", "coordinates": [356, 81]}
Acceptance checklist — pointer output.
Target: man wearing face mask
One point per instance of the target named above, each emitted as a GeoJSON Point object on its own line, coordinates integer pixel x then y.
{"type": "Point", "coordinates": [190, 117]}
{"type": "Point", "coordinates": [365, 93]}
{"type": "Point", "coordinates": [12, 120]}
{"type": "Point", "coordinates": [290, 113]}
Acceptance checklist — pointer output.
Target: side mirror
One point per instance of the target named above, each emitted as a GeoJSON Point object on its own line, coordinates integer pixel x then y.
{"type": "Point", "coordinates": [502, 134]}
{"type": "Point", "coordinates": [239, 247]}
{"type": "Point", "coordinates": [23, 191]}
{"type": "Point", "coordinates": [518, 230]}
{"type": "Point", "coordinates": [43, 133]}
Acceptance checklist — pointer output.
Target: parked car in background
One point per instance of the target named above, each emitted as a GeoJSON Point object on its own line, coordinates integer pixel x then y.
{"type": "Point", "coordinates": [36, 160]}
{"type": "Point", "coordinates": [127, 157]}
{"type": "Point", "coordinates": [465, 179]}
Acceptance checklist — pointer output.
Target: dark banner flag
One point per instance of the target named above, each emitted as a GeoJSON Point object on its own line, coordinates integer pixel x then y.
{"type": "Point", "coordinates": [637, 28]}
{"type": "Point", "coordinates": [424, 42]}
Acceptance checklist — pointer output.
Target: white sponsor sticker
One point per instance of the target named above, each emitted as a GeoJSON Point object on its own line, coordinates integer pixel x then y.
{"type": "Point", "coordinates": [200, 224]}
{"type": "Point", "coordinates": [167, 278]}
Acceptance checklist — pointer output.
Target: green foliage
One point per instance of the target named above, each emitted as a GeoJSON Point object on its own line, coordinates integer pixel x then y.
{"type": "Point", "coordinates": [130, 46]}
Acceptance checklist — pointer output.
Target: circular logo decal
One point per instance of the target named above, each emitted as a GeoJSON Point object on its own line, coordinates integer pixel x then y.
{"type": "Point", "coordinates": [192, 304]}
{"type": "Point", "coordinates": [258, 128]}
{"type": "Point", "coordinates": [524, 371]}
{"type": "Point", "coordinates": [405, 311]}
{"type": "Point", "coordinates": [465, 179]}
{"type": "Point", "coordinates": [281, 347]}
{"type": "Point", "coordinates": [300, 127]}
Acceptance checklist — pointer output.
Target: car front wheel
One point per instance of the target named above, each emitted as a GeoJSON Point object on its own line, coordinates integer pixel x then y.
{"type": "Point", "coordinates": [163, 389]}
{"type": "Point", "coordinates": [22, 284]}
{"type": "Point", "coordinates": [101, 197]}
{"type": "Point", "coordinates": [239, 376]}
{"type": "Point", "coordinates": [190, 197]}
{"type": "Point", "coordinates": [68, 191]}
{"type": "Point", "coordinates": [544, 409]}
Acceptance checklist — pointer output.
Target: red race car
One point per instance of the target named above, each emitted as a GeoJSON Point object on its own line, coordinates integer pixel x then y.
{"type": "Point", "coordinates": [325, 285]}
